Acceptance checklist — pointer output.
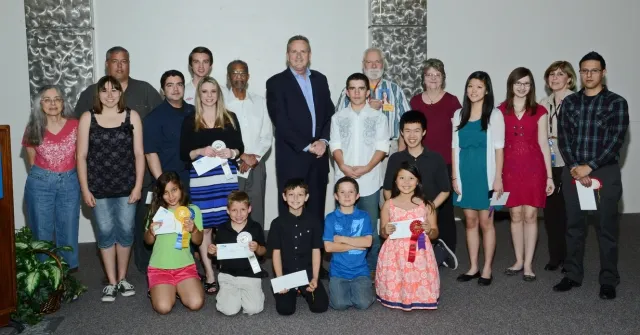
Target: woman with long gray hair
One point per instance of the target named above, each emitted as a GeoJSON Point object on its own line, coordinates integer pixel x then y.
{"type": "Point", "coordinates": [52, 191]}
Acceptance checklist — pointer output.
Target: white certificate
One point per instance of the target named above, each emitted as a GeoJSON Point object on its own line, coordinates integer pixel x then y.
{"type": "Point", "coordinates": [499, 201]}
{"type": "Point", "coordinates": [205, 164]}
{"type": "Point", "coordinates": [232, 251]}
{"type": "Point", "coordinates": [403, 229]}
{"type": "Point", "coordinates": [290, 281]}
{"type": "Point", "coordinates": [586, 196]}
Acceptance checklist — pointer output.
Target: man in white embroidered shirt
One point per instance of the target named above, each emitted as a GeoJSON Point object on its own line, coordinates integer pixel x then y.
{"type": "Point", "coordinates": [257, 135]}
{"type": "Point", "coordinates": [359, 141]}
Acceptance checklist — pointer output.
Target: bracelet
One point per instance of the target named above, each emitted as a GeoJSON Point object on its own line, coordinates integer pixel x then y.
{"type": "Point", "coordinates": [233, 151]}
{"type": "Point", "coordinates": [550, 178]}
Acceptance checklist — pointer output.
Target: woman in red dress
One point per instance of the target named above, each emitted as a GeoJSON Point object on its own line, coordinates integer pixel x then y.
{"type": "Point", "coordinates": [527, 166]}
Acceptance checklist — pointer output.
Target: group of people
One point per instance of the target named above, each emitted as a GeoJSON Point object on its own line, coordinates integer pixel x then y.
{"type": "Point", "coordinates": [127, 152]}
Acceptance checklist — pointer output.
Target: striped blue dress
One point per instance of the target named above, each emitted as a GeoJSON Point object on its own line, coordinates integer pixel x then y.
{"type": "Point", "coordinates": [210, 191]}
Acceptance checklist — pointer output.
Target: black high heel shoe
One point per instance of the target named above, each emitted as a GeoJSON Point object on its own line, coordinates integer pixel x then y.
{"type": "Point", "coordinates": [465, 277]}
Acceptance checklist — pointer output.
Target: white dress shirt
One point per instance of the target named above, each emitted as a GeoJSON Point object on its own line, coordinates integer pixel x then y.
{"type": "Point", "coordinates": [257, 131]}
{"type": "Point", "coordinates": [359, 135]}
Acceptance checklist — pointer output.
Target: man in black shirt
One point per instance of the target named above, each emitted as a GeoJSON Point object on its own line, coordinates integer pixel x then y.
{"type": "Point", "coordinates": [296, 239]}
{"type": "Point", "coordinates": [435, 181]}
{"type": "Point", "coordinates": [240, 279]}
{"type": "Point", "coordinates": [592, 126]}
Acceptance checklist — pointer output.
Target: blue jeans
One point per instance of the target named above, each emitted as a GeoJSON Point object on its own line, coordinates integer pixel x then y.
{"type": "Point", "coordinates": [115, 220]}
{"type": "Point", "coordinates": [356, 292]}
{"type": "Point", "coordinates": [53, 209]}
{"type": "Point", "coordinates": [370, 204]}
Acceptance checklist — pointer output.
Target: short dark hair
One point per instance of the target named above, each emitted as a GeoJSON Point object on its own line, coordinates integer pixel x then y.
{"type": "Point", "coordinates": [346, 179]}
{"type": "Point", "coordinates": [200, 50]}
{"type": "Point", "coordinates": [238, 196]}
{"type": "Point", "coordinates": [298, 38]}
{"type": "Point", "coordinates": [115, 50]}
{"type": "Point", "coordinates": [413, 116]}
{"type": "Point", "coordinates": [237, 62]}
{"type": "Point", "coordinates": [291, 184]}
{"type": "Point", "coordinates": [593, 56]}
{"type": "Point", "coordinates": [170, 73]}
{"type": "Point", "coordinates": [358, 76]}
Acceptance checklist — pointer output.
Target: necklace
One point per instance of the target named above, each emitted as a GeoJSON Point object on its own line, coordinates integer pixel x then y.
{"type": "Point", "coordinates": [432, 101]}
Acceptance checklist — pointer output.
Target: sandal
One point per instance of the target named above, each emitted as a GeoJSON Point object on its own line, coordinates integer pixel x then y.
{"type": "Point", "coordinates": [209, 286]}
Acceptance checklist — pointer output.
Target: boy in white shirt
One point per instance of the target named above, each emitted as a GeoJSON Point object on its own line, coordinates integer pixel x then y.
{"type": "Point", "coordinates": [359, 142]}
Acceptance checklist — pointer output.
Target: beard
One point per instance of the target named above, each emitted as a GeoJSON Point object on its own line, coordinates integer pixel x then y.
{"type": "Point", "coordinates": [373, 74]}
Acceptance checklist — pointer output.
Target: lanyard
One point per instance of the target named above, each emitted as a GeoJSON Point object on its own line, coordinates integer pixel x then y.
{"type": "Point", "coordinates": [554, 114]}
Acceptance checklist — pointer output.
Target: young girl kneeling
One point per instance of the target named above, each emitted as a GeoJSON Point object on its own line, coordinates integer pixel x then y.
{"type": "Point", "coordinates": [407, 273]}
{"type": "Point", "coordinates": [172, 270]}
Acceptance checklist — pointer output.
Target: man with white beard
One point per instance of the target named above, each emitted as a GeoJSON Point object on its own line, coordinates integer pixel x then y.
{"type": "Point", "coordinates": [385, 96]}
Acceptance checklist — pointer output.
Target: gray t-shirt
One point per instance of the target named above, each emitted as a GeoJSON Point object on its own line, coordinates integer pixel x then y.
{"type": "Point", "coordinates": [140, 96]}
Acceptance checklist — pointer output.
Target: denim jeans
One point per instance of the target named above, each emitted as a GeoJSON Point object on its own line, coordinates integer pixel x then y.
{"type": "Point", "coordinates": [370, 204]}
{"type": "Point", "coordinates": [356, 292]}
{"type": "Point", "coordinates": [53, 209]}
{"type": "Point", "coordinates": [115, 220]}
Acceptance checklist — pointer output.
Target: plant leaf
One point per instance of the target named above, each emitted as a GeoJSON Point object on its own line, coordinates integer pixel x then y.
{"type": "Point", "coordinates": [55, 275]}
{"type": "Point", "coordinates": [32, 281]}
{"type": "Point", "coordinates": [64, 248]}
{"type": "Point", "coordinates": [21, 246]}
{"type": "Point", "coordinates": [41, 245]}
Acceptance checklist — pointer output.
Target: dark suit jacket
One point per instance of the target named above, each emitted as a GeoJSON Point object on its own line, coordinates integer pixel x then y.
{"type": "Point", "coordinates": [291, 117]}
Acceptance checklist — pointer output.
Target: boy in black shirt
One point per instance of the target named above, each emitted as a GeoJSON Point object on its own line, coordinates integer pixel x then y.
{"type": "Point", "coordinates": [240, 279]}
{"type": "Point", "coordinates": [296, 239]}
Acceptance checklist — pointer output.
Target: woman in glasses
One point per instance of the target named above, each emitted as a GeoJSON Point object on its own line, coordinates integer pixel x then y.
{"type": "Point", "coordinates": [527, 166]}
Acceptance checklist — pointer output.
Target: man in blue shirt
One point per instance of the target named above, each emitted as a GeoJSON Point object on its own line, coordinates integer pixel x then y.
{"type": "Point", "coordinates": [161, 136]}
{"type": "Point", "coordinates": [348, 234]}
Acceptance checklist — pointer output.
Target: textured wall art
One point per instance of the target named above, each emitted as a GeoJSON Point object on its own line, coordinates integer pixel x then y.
{"type": "Point", "coordinates": [399, 28]}
{"type": "Point", "coordinates": [60, 45]}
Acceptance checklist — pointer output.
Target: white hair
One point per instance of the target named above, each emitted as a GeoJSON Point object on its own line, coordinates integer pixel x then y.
{"type": "Point", "coordinates": [379, 51]}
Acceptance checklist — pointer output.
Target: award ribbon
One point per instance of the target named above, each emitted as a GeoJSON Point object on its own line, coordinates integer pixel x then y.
{"type": "Point", "coordinates": [182, 213]}
{"type": "Point", "coordinates": [417, 241]}
{"type": "Point", "coordinates": [245, 238]}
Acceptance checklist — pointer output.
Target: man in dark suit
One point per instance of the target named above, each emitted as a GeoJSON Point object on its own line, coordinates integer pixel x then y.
{"type": "Point", "coordinates": [300, 107]}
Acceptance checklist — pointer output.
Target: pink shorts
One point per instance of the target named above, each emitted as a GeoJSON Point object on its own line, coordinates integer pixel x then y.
{"type": "Point", "coordinates": [171, 277]}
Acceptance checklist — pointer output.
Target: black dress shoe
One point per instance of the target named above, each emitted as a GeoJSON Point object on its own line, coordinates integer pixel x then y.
{"type": "Point", "coordinates": [564, 270]}
{"type": "Point", "coordinates": [465, 277]}
{"type": "Point", "coordinates": [565, 285]}
{"type": "Point", "coordinates": [607, 292]}
{"type": "Point", "coordinates": [485, 281]}
{"type": "Point", "coordinates": [551, 267]}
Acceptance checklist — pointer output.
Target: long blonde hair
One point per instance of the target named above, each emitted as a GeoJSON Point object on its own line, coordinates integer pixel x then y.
{"type": "Point", "coordinates": [223, 116]}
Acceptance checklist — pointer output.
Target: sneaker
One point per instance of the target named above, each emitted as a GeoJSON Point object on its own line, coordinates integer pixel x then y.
{"type": "Point", "coordinates": [125, 288]}
{"type": "Point", "coordinates": [451, 261]}
{"type": "Point", "coordinates": [109, 293]}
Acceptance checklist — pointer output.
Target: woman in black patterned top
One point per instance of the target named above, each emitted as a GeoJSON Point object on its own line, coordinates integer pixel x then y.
{"type": "Point", "coordinates": [111, 169]}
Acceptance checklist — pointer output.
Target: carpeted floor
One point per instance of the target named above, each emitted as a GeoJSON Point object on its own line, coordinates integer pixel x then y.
{"type": "Point", "coordinates": [508, 306]}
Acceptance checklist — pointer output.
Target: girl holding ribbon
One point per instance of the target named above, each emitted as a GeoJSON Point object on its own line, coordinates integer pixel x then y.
{"type": "Point", "coordinates": [213, 132]}
{"type": "Point", "coordinates": [407, 273]}
{"type": "Point", "coordinates": [172, 270]}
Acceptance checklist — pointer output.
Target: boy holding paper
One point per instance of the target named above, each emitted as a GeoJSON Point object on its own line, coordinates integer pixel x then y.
{"type": "Point", "coordinates": [296, 239]}
{"type": "Point", "coordinates": [239, 278]}
{"type": "Point", "coordinates": [347, 234]}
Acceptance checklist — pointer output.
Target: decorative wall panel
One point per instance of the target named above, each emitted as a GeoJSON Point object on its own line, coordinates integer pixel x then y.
{"type": "Point", "coordinates": [60, 45]}
{"type": "Point", "coordinates": [399, 28]}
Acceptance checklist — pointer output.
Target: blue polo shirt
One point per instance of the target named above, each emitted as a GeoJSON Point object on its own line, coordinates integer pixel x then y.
{"type": "Point", "coordinates": [161, 135]}
{"type": "Point", "coordinates": [353, 263]}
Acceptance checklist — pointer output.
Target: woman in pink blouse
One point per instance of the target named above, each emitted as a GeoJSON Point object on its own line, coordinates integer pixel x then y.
{"type": "Point", "coordinates": [52, 191]}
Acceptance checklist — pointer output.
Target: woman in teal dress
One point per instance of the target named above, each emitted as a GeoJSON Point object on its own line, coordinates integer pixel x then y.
{"type": "Point", "coordinates": [478, 142]}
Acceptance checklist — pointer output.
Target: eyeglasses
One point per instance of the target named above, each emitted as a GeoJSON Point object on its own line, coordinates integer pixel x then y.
{"type": "Point", "coordinates": [586, 72]}
{"type": "Point", "coordinates": [239, 74]}
{"type": "Point", "coordinates": [433, 75]}
{"type": "Point", "coordinates": [47, 101]}
{"type": "Point", "coordinates": [519, 84]}
{"type": "Point", "coordinates": [377, 62]}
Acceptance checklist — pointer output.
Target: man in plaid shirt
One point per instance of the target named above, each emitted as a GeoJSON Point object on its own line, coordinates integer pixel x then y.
{"type": "Point", "coordinates": [593, 124]}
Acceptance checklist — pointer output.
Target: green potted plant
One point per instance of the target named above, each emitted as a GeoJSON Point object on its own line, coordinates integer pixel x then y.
{"type": "Point", "coordinates": [43, 283]}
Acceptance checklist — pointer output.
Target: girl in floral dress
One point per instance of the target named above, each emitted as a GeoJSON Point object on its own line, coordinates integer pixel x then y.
{"type": "Point", "coordinates": [407, 273]}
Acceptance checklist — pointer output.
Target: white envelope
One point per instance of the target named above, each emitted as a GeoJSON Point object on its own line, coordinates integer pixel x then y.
{"type": "Point", "coordinates": [232, 251]}
{"type": "Point", "coordinates": [500, 201]}
{"type": "Point", "coordinates": [402, 229]}
{"type": "Point", "coordinates": [169, 223]}
{"type": "Point", "coordinates": [290, 281]}
{"type": "Point", "coordinates": [205, 164]}
{"type": "Point", "coordinates": [586, 196]}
